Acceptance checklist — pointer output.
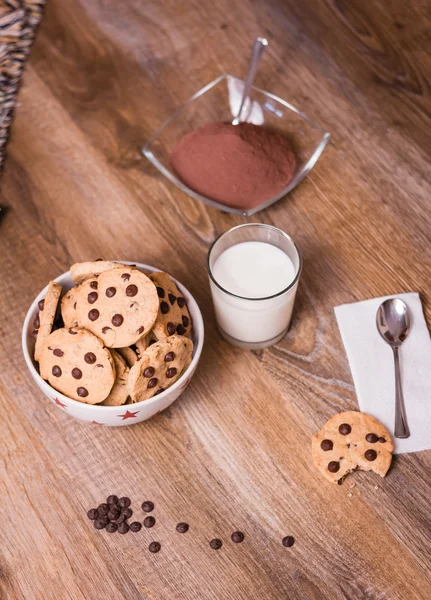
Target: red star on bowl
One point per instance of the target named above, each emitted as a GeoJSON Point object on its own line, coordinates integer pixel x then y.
{"type": "Point", "coordinates": [58, 403]}
{"type": "Point", "coordinates": [128, 415]}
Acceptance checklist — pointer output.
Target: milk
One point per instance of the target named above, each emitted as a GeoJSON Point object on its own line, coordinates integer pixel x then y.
{"type": "Point", "coordinates": [252, 298]}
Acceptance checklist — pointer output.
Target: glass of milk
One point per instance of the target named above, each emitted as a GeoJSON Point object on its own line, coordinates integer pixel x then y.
{"type": "Point", "coordinates": [254, 271]}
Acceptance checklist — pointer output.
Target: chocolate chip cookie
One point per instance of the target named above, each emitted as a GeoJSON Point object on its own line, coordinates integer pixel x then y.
{"type": "Point", "coordinates": [119, 392]}
{"type": "Point", "coordinates": [69, 300]}
{"type": "Point", "coordinates": [45, 318]}
{"type": "Point", "coordinates": [76, 363]}
{"type": "Point", "coordinates": [81, 271]}
{"type": "Point", "coordinates": [161, 365]}
{"type": "Point", "coordinates": [121, 310]}
{"type": "Point", "coordinates": [173, 316]}
{"type": "Point", "coordinates": [349, 441]}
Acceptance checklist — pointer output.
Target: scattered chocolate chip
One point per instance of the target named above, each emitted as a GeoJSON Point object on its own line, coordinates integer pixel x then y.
{"type": "Point", "coordinates": [169, 356]}
{"type": "Point", "coordinates": [154, 547]}
{"type": "Point", "coordinates": [182, 527]}
{"type": "Point", "coordinates": [117, 320]}
{"type": "Point", "coordinates": [333, 466]}
{"type": "Point", "coordinates": [372, 438]}
{"type": "Point", "coordinates": [103, 509]}
{"type": "Point", "coordinates": [92, 514]}
{"type": "Point", "coordinates": [171, 328]}
{"type": "Point", "coordinates": [113, 499]}
{"type": "Point", "coordinates": [326, 445]}
{"type": "Point", "coordinates": [152, 383]}
{"type": "Point", "coordinates": [131, 290]}
{"type": "Point", "coordinates": [113, 513]}
{"type": "Point", "coordinates": [172, 298]}
{"type": "Point", "coordinates": [110, 292]}
{"type": "Point", "coordinates": [147, 506]}
{"type": "Point", "coordinates": [123, 527]}
{"type": "Point", "coordinates": [164, 307]}
{"type": "Point", "coordinates": [125, 276]}
{"type": "Point", "coordinates": [237, 537]}
{"type": "Point", "coordinates": [90, 359]}
{"type": "Point", "coordinates": [106, 329]}
{"type": "Point", "coordinates": [382, 440]}
{"type": "Point", "coordinates": [344, 429]}
{"type": "Point", "coordinates": [41, 304]}
{"type": "Point", "coordinates": [159, 391]}
{"type": "Point", "coordinates": [76, 373]}
{"type": "Point", "coordinates": [82, 392]}
{"type": "Point", "coordinates": [185, 321]}
{"type": "Point", "coordinates": [160, 292]}
{"type": "Point", "coordinates": [141, 329]}
{"type": "Point", "coordinates": [93, 314]}
{"type": "Point", "coordinates": [149, 522]}
{"type": "Point", "coordinates": [135, 526]}
{"type": "Point", "coordinates": [93, 285]}
{"type": "Point", "coordinates": [124, 502]}
{"type": "Point", "coordinates": [58, 352]}
{"type": "Point", "coordinates": [92, 297]}
{"type": "Point", "coordinates": [370, 455]}
{"type": "Point", "coordinates": [181, 330]}
{"type": "Point", "coordinates": [171, 372]}
{"type": "Point", "coordinates": [72, 332]}
{"type": "Point", "coordinates": [36, 322]}
{"type": "Point", "coordinates": [100, 524]}
{"type": "Point", "coordinates": [288, 541]}
{"type": "Point", "coordinates": [181, 302]}
{"type": "Point", "coordinates": [149, 372]}
{"type": "Point", "coordinates": [127, 512]}
{"type": "Point", "coordinates": [216, 544]}
{"type": "Point", "coordinates": [111, 527]}
{"type": "Point", "coordinates": [56, 371]}
{"type": "Point", "coordinates": [119, 519]}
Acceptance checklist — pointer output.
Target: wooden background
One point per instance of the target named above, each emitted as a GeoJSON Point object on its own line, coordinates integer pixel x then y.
{"type": "Point", "coordinates": [234, 451]}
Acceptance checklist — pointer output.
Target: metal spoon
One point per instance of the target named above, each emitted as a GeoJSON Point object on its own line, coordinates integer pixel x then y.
{"type": "Point", "coordinates": [259, 46]}
{"type": "Point", "coordinates": [393, 323]}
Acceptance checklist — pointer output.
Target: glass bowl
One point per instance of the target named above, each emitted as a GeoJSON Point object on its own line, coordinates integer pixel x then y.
{"type": "Point", "coordinates": [220, 101]}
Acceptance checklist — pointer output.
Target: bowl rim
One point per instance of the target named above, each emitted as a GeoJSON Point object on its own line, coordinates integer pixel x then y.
{"type": "Point", "coordinates": [198, 325]}
{"type": "Point", "coordinates": [147, 152]}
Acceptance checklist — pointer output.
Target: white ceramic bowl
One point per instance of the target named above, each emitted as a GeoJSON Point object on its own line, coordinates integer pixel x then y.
{"type": "Point", "coordinates": [114, 415]}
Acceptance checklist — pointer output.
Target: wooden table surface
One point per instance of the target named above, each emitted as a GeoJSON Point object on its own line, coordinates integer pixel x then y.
{"type": "Point", "coordinates": [234, 451]}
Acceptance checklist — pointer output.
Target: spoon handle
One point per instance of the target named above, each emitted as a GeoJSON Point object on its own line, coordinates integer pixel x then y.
{"type": "Point", "coordinates": [401, 427]}
{"type": "Point", "coordinates": [259, 46]}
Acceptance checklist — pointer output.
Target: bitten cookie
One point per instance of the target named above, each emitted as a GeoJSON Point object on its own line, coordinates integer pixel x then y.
{"type": "Point", "coordinates": [119, 392]}
{"type": "Point", "coordinates": [121, 310]}
{"type": "Point", "coordinates": [81, 271]}
{"type": "Point", "coordinates": [173, 316]}
{"type": "Point", "coordinates": [352, 440]}
{"type": "Point", "coordinates": [161, 365]}
{"type": "Point", "coordinates": [76, 363]}
{"type": "Point", "coordinates": [44, 320]}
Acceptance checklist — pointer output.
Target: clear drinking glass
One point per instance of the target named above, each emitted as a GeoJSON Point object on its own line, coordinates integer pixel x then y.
{"type": "Point", "coordinates": [254, 323]}
{"type": "Point", "coordinates": [220, 101]}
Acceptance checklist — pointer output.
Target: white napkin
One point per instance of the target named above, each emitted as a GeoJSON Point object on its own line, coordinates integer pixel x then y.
{"type": "Point", "coordinates": [372, 365]}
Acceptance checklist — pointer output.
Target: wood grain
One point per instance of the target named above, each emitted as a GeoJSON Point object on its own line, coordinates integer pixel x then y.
{"type": "Point", "coordinates": [234, 451]}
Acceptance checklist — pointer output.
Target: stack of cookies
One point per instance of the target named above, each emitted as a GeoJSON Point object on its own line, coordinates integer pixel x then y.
{"type": "Point", "coordinates": [121, 335]}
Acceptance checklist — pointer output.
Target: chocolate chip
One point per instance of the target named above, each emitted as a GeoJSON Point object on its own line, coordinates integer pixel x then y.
{"type": "Point", "coordinates": [149, 372]}
{"type": "Point", "coordinates": [125, 276]}
{"type": "Point", "coordinates": [171, 328]}
{"type": "Point", "coordinates": [76, 373]}
{"type": "Point", "coordinates": [127, 512]}
{"type": "Point", "coordinates": [149, 522]}
{"type": "Point", "coordinates": [288, 541]}
{"type": "Point", "coordinates": [100, 524]}
{"type": "Point", "coordinates": [119, 519]}
{"type": "Point", "coordinates": [72, 332]}
{"type": "Point", "coordinates": [110, 292]}
{"type": "Point", "coordinates": [237, 537]}
{"type": "Point", "coordinates": [131, 290]}
{"type": "Point", "coordinates": [123, 527]}
{"type": "Point", "coordinates": [41, 304]}
{"type": "Point", "coordinates": [180, 330]}
{"type": "Point", "coordinates": [171, 372]}
{"type": "Point", "coordinates": [82, 392]}
{"type": "Point", "coordinates": [58, 352]}
{"type": "Point", "coordinates": [216, 544]}
{"type": "Point", "coordinates": [93, 315]}
{"type": "Point", "coordinates": [326, 445]}
{"type": "Point", "coordinates": [92, 514]}
{"type": "Point", "coordinates": [169, 356]}
{"type": "Point", "coordinates": [185, 321]}
{"type": "Point", "coordinates": [164, 307]}
{"type": "Point", "coordinates": [113, 499]}
{"type": "Point", "coordinates": [106, 329]}
{"type": "Point", "coordinates": [135, 526]}
{"type": "Point", "coordinates": [141, 329]}
{"type": "Point", "coordinates": [333, 466]}
{"type": "Point", "coordinates": [90, 359]}
{"type": "Point", "coordinates": [103, 509]}
{"type": "Point", "coordinates": [93, 285]}
{"type": "Point", "coordinates": [56, 371]}
{"type": "Point", "coordinates": [36, 322]}
{"type": "Point", "coordinates": [181, 302]}
{"type": "Point", "coordinates": [382, 440]}
{"type": "Point", "coordinates": [100, 366]}
{"type": "Point", "coordinates": [114, 513]}
{"type": "Point", "coordinates": [92, 297]}
{"type": "Point", "coordinates": [152, 383]}
{"type": "Point", "coordinates": [160, 292]}
{"type": "Point", "coordinates": [182, 527]}
{"type": "Point", "coordinates": [117, 320]}
{"type": "Point", "coordinates": [111, 527]}
{"type": "Point", "coordinates": [372, 438]}
{"type": "Point", "coordinates": [124, 502]}
{"type": "Point", "coordinates": [154, 547]}
{"type": "Point", "coordinates": [370, 455]}
{"type": "Point", "coordinates": [172, 298]}
{"type": "Point", "coordinates": [98, 259]}
{"type": "Point", "coordinates": [344, 429]}
{"type": "Point", "coordinates": [147, 506]}
{"type": "Point", "coordinates": [159, 391]}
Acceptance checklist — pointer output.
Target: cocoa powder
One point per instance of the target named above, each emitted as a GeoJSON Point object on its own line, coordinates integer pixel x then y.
{"type": "Point", "coordinates": [237, 165]}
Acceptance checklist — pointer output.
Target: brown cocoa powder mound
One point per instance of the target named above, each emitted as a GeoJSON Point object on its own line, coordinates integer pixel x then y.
{"type": "Point", "coordinates": [238, 165]}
